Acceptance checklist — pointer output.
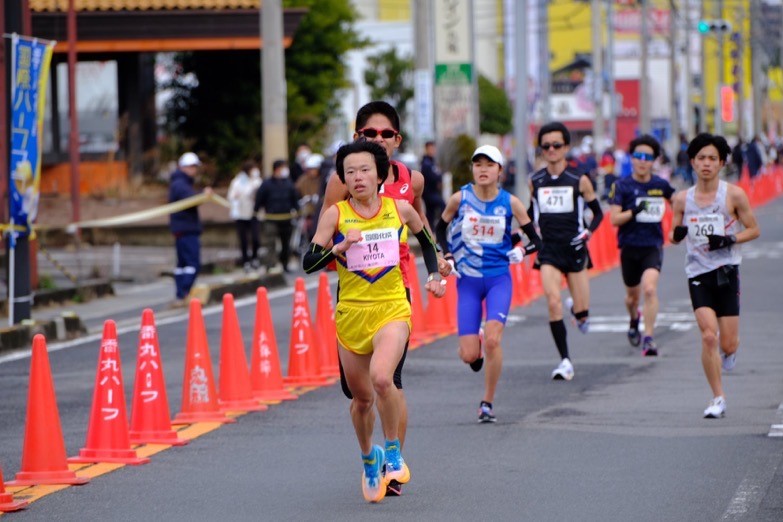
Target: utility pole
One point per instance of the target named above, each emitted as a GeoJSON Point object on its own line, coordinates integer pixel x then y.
{"type": "Point", "coordinates": [688, 111]}
{"type": "Point", "coordinates": [424, 72]}
{"type": "Point", "coordinates": [273, 87]}
{"type": "Point", "coordinates": [73, 115]}
{"type": "Point", "coordinates": [598, 74]}
{"type": "Point", "coordinates": [674, 139]}
{"type": "Point", "coordinates": [755, 57]}
{"type": "Point", "coordinates": [721, 72]}
{"type": "Point", "coordinates": [543, 60]}
{"type": "Point", "coordinates": [520, 107]}
{"type": "Point", "coordinates": [703, 68]}
{"type": "Point", "coordinates": [612, 129]}
{"type": "Point", "coordinates": [644, 87]}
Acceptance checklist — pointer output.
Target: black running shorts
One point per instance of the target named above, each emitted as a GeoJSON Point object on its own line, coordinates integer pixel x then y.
{"type": "Point", "coordinates": [635, 260]}
{"type": "Point", "coordinates": [564, 257]}
{"type": "Point", "coordinates": [719, 290]}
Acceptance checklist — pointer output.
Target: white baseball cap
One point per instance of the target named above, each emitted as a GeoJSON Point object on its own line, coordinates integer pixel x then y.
{"type": "Point", "coordinates": [189, 159]}
{"type": "Point", "coordinates": [489, 151]}
{"type": "Point", "coordinates": [313, 161]}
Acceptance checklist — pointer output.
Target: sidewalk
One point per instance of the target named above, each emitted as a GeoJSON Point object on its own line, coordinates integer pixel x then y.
{"type": "Point", "coordinates": [141, 282]}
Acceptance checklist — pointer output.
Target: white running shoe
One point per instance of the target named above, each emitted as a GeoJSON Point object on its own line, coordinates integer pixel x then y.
{"type": "Point", "coordinates": [564, 371]}
{"type": "Point", "coordinates": [729, 361]}
{"type": "Point", "coordinates": [716, 408]}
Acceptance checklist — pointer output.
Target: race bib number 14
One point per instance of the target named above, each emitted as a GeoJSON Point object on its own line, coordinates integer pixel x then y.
{"type": "Point", "coordinates": [378, 248]}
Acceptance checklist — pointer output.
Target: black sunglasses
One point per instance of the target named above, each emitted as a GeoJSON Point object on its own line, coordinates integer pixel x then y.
{"type": "Point", "coordinates": [556, 146]}
{"type": "Point", "coordinates": [370, 132]}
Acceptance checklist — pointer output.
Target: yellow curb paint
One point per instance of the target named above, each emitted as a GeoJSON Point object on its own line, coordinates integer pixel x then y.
{"type": "Point", "coordinates": [98, 469]}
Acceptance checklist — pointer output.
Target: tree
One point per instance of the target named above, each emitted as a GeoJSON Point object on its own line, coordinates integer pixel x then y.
{"type": "Point", "coordinates": [389, 78]}
{"type": "Point", "coordinates": [495, 113]}
{"type": "Point", "coordinates": [215, 106]}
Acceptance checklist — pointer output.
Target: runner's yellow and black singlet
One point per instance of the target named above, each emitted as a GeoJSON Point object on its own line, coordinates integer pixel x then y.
{"type": "Point", "coordinates": [369, 271]}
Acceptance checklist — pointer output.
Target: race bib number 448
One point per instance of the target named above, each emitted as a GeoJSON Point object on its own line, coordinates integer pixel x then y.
{"type": "Point", "coordinates": [653, 212]}
{"type": "Point", "coordinates": [378, 248]}
{"type": "Point", "coordinates": [556, 200]}
{"type": "Point", "coordinates": [699, 227]}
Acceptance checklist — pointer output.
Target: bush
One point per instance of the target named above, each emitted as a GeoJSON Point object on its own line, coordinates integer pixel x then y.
{"type": "Point", "coordinates": [456, 154]}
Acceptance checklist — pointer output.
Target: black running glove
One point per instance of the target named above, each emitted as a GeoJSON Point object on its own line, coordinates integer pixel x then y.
{"type": "Point", "coordinates": [641, 207]}
{"type": "Point", "coordinates": [680, 232]}
{"type": "Point", "coordinates": [717, 242]}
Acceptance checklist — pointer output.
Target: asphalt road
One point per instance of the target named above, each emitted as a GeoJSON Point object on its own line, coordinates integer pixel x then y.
{"type": "Point", "coordinates": [625, 440]}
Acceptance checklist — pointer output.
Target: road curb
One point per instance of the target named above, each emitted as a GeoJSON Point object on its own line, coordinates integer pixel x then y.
{"type": "Point", "coordinates": [19, 336]}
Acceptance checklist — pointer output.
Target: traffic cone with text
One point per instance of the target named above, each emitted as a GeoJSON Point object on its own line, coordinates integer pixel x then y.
{"type": "Point", "coordinates": [266, 378]}
{"type": "Point", "coordinates": [150, 414]}
{"type": "Point", "coordinates": [304, 368]}
{"type": "Point", "coordinates": [199, 400]}
{"type": "Point", "coordinates": [108, 439]}
{"type": "Point", "coordinates": [235, 391]}
{"type": "Point", "coordinates": [7, 502]}
{"type": "Point", "coordinates": [43, 453]}
{"type": "Point", "coordinates": [418, 330]}
{"type": "Point", "coordinates": [326, 330]}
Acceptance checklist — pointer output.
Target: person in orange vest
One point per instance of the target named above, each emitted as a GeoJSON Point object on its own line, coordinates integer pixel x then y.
{"type": "Point", "coordinates": [373, 313]}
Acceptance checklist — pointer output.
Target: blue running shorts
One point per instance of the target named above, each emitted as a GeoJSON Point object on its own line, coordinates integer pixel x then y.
{"type": "Point", "coordinates": [494, 292]}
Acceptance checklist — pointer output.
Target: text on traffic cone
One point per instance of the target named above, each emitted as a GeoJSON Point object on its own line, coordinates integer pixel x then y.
{"type": "Point", "coordinates": [108, 439]}
{"type": "Point", "coordinates": [266, 377]}
{"type": "Point", "coordinates": [150, 415]}
{"type": "Point", "coordinates": [303, 365]}
{"type": "Point", "coordinates": [199, 401]}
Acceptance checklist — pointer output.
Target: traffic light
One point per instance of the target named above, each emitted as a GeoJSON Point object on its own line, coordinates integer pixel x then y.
{"type": "Point", "coordinates": [713, 26]}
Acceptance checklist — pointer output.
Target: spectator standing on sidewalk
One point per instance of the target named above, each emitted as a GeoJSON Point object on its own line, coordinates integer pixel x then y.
{"type": "Point", "coordinates": [242, 197]}
{"type": "Point", "coordinates": [433, 183]}
{"type": "Point", "coordinates": [278, 198]}
{"type": "Point", "coordinates": [185, 225]}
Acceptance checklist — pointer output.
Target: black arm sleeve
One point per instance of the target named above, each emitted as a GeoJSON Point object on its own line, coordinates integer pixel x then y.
{"type": "Point", "coordinates": [316, 258]}
{"type": "Point", "coordinates": [428, 251]}
{"type": "Point", "coordinates": [535, 241]}
{"type": "Point", "coordinates": [441, 235]}
{"type": "Point", "coordinates": [598, 215]}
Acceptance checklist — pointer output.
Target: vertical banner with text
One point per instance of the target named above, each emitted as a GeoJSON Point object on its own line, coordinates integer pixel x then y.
{"type": "Point", "coordinates": [29, 78]}
{"type": "Point", "coordinates": [456, 99]}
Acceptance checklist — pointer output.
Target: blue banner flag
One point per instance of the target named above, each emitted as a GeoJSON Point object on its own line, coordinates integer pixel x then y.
{"type": "Point", "coordinates": [29, 78]}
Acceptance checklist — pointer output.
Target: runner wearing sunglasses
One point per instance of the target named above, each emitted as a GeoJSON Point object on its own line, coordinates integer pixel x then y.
{"type": "Point", "coordinates": [638, 204]}
{"type": "Point", "coordinates": [378, 121]}
{"type": "Point", "coordinates": [558, 196]}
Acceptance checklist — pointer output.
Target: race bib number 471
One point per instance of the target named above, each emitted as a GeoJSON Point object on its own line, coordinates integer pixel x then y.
{"type": "Point", "coordinates": [556, 200]}
{"type": "Point", "coordinates": [378, 248]}
{"type": "Point", "coordinates": [699, 227]}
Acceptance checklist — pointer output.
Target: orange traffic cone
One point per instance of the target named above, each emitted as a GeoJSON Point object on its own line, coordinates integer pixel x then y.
{"type": "Point", "coordinates": [418, 331]}
{"type": "Point", "coordinates": [7, 502]}
{"type": "Point", "coordinates": [235, 391]}
{"type": "Point", "coordinates": [43, 453]}
{"type": "Point", "coordinates": [150, 416]}
{"type": "Point", "coordinates": [325, 327]}
{"type": "Point", "coordinates": [266, 378]}
{"type": "Point", "coordinates": [199, 401]}
{"type": "Point", "coordinates": [108, 439]}
{"type": "Point", "coordinates": [303, 366]}
{"type": "Point", "coordinates": [437, 316]}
